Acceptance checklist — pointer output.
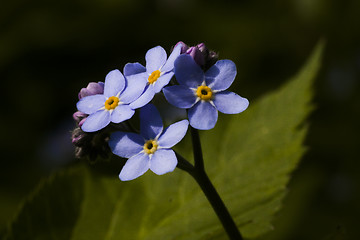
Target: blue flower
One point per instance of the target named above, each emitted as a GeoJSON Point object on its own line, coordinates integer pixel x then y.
{"type": "Point", "coordinates": [157, 74]}
{"type": "Point", "coordinates": [112, 105]}
{"type": "Point", "coordinates": [151, 148]}
{"type": "Point", "coordinates": [204, 94]}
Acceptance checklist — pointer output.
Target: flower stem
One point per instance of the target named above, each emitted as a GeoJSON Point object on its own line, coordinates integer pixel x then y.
{"type": "Point", "coordinates": [198, 157]}
{"type": "Point", "coordinates": [183, 164]}
{"type": "Point", "coordinates": [217, 204]}
{"type": "Point", "coordinates": [199, 174]}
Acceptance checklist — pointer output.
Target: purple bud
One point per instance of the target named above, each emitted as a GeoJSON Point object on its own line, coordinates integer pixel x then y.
{"type": "Point", "coordinates": [75, 140]}
{"type": "Point", "coordinates": [90, 145]}
{"type": "Point", "coordinates": [201, 47]}
{"type": "Point", "coordinates": [201, 54]}
{"type": "Point", "coordinates": [77, 136]}
{"type": "Point", "coordinates": [78, 116]}
{"type": "Point", "coordinates": [92, 89]}
{"type": "Point", "coordinates": [184, 47]}
{"type": "Point", "coordinates": [197, 55]}
{"type": "Point", "coordinates": [81, 122]}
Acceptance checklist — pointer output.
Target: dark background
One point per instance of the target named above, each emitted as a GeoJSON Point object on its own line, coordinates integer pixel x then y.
{"type": "Point", "coordinates": [49, 50]}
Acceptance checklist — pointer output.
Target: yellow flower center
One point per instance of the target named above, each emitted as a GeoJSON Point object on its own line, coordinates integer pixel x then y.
{"type": "Point", "coordinates": [204, 93]}
{"type": "Point", "coordinates": [111, 103]}
{"type": "Point", "coordinates": [150, 146]}
{"type": "Point", "coordinates": [154, 76]}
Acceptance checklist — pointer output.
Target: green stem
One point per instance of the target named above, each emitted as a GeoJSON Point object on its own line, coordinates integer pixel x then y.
{"type": "Point", "coordinates": [198, 157]}
{"type": "Point", "coordinates": [183, 164]}
{"type": "Point", "coordinates": [217, 204]}
{"type": "Point", "coordinates": [198, 173]}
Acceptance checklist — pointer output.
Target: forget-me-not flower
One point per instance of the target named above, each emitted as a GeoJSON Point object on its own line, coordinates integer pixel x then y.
{"type": "Point", "coordinates": [112, 105]}
{"type": "Point", "coordinates": [151, 149]}
{"type": "Point", "coordinates": [204, 94]}
{"type": "Point", "coordinates": [156, 74]}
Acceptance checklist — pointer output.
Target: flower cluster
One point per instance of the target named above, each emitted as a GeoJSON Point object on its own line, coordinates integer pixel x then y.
{"type": "Point", "coordinates": [200, 87]}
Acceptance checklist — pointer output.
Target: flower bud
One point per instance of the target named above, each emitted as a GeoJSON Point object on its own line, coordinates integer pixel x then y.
{"type": "Point", "coordinates": [211, 59]}
{"type": "Point", "coordinates": [77, 136]}
{"type": "Point", "coordinates": [79, 117]}
{"type": "Point", "coordinates": [204, 57]}
{"type": "Point", "coordinates": [201, 47]}
{"type": "Point", "coordinates": [197, 55]}
{"type": "Point", "coordinates": [184, 47]}
{"type": "Point", "coordinates": [91, 89]}
{"type": "Point", "coordinates": [90, 145]}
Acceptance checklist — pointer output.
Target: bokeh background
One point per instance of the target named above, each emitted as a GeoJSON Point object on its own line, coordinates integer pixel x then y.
{"type": "Point", "coordinates": [49, 50]}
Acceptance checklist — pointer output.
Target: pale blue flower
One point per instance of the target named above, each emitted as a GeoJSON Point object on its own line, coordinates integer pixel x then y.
{"type": "Point", "coordinates": [112, 105]}
{"type": "Point", "coordinates": [156, 74]}
{"type": "Point", "coordinates": [204, 94]}
{"type": "Point", "coordinates": [151, 149]}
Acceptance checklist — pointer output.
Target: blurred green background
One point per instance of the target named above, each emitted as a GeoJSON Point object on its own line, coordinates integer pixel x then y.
{"type": "Point", "coordinates": [49, 50]}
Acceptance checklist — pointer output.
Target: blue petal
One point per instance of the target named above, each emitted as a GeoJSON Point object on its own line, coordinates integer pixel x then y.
{"type": "Point", "coordinates": [169, 65]}
{"type": "Point", "coordinates": [135, 85]}
{"type": "Point", "coordinates": [96, 121]}
{"type": "Point", "coordinates": [173, 134]}
{"type": "Point", "coordinates": [126, 144]}
{"type": "Point", "coordinates": [114, 83]}
{"type": "Point", "coordinates": [133, 68]}
{"type": "Point", "coordinates": [162, 81]}
{"type": "Point", "coordinates": [155, 59]}
{"type": "Point", "coordinates": [122, 113]}
{"type": "Point", "coordinates": [135, 167]}
{"type": "Point", "coordinates": [145, 98]}
{"type": "Point", "coordinates": [163, 161]}
{"type": "Point", "coordinates": [221, 75]}
{"type": "Point", "coordinates": [180, 96]}
{"type": "Point", "coordinates": [230, 103]}
{"type": "Point", "coordinates": [187, 72]}
{"type": "Point", "coordinates": [203, 116]}
{"type": "Point", "coordinates": [91, 104]}
{"type": "Point", "coordinates": [151, 124]}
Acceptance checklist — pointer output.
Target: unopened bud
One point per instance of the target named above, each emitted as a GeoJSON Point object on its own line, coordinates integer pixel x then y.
{"type": "Point", "coordinates": [204, 57]}
{"type": "Point", "coordinates": [79, 117]}
{"type": "Point", "coordinates": [92, 89]}
{"type": "Point", "coordinates": [197, 55]}
{"type": "Point", "coordinates": [90, 145]}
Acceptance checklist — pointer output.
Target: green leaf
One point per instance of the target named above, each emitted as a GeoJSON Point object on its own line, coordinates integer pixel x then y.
{"type": "Point", "coordinates": [52, 209]}
{"type": "Point", "coordinates": [249, 157]}
{"type": "Point", "coordinates": [259, 150]}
